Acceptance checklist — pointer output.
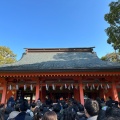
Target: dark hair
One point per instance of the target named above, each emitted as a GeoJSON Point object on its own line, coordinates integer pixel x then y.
{"type": "Point", "coordinates": [81, 107]}
{"type": "Point", "coordinates": [91, 107]}
{"type": "Point", "coordinates": [115, 104]}
{"type": "Point", "coordinates": [17, 107]}
{"type": "Point", "coordinates": [51, 115]}
{"type": "Point", "coordinates": [33, 105]}
{"type": "Point", "coordinates": [113, 112]}
{"type": "Point", "coordinates": [8, 110]}
{"type": "Point", "coordinates": [110, 97]}
{"type": "Point", "coordinates": [101, 115]}
{"type": "Point", "coordinates": [37, 114]}
{"type": "Point", "coordinates": [69, 115]}
{"type": "Point", "coordinates": [102, 99]}
{"type": "Point", "coordinates": [65, 106]}
{"type": "Point", "coordinates": [56, 108]}
{"type": "Point", "coordinates": [23, 106]}
{"type": "Point", "coordinates": [1, 105]}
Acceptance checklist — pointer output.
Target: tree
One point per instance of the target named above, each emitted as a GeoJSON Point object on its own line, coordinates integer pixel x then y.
{"type": "Point", "coordinates": [113, 57]}
{"type": "Point", "coordinates": [113, 31]}
{"type": "Point", "coordinates": [6, 55]}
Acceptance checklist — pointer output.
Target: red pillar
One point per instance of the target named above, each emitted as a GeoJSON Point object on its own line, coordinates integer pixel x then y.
{"type": "Point", "coordinates": [76, 94]}
{"type": "Point", "coordinates": [104, 96]}
{"type": "Point", "coordinates": [81, 94]}
{"type": "Point", "coordinates": [4, 92]}
{"type": "Point", "coordinates": [40, 92]}
{"type": "Point", "coordinates": [37, 91]}
{"type": "Point", "coordinates": [114, 91]}
{"type": "Point", "coordinates": [43, 93]}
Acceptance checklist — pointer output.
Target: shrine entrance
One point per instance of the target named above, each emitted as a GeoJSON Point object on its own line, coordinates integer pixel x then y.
{"type": "Point", "coordinates": [59, 92]}
{"type": "Point", "coordinates": [93, 94]}
{"type": "Point", "coordinates": [26, 94]}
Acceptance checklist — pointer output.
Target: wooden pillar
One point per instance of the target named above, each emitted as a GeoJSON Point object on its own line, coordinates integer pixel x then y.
{"type": "Point", "coordinates": [76, 94]}
{"type": "Point", "coordinates": [114, 92]}
{"type": "Point", "coordinates": [41, 93]}
{"type": "Point", "coordinates": [104, 96]}
{"type": "Point", "coordinates": [81, 94]}
{"type": "Point", "coordinates": [37, 91]}
{"type": "Point", "coordinates": [41, 89]}
{"type": "Point", "coordinates": [3, 100]}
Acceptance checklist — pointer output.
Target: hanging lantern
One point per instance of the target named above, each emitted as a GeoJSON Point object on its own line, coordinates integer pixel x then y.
{"type": "Point", "coordinates": [61, 87]}
{"type": "Point", "coordinates": [53, 87]}
{"type": "Point", "coordinates": [69, 87]}
{"type": "Point", "coordinates": [76, 87]}
{"type": "Point", "coordinates": [10, 87]}
{"type": "Point", "coordinates": [17, 87]}
{"type": "Point", "coordinates": [47, 87]}
{"type": "Point", "coordinates": [87, 85]}
{"type": "Point", "coordinates": [101, 86]}
{"type": "Point", "coordinates": [65, 86]}
{"type": "Point", "coordinates": [93, 86]}
{"type": "Point", "coordinates": [31, 87]}
{"type": "Point", "coordinates": [105, 87]}
{"type": "Point", "coordinates": [72, 86]}
{"type": "Point", "coordinates": [24, 87]}
{"type": "Point", "coordinates": [98, 87]}
{"type": "Point", "coordinates": [108, 86]}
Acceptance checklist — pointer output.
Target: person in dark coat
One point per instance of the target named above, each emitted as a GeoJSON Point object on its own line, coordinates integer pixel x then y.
{"type": "Point", "coordinates": [11, 101]}
{"type": "Point", "coordinates": [8, 110]}
{"type": "Point", "coordinates": [48, 101]}
{"type": "Point", "coordinates": [23, 115]}
{"type": "Point", "coordinates": [1, 116]}
{"type": "Point", "coordinates": [19, 100]}
{"type": "Point", "coordinates": [109, 102]}
{"type": "Point", "coordinates": [91, 109]}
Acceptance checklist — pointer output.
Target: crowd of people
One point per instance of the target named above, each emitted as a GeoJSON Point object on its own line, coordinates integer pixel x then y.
{"type": "Point", "coordinates": [97, 109]}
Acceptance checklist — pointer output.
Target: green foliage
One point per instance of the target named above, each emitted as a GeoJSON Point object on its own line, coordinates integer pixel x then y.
{"type": "Point", "coordinates": [6, 55]}
{"type": "Point", "coordinates": [113, 31]}
{"type": "Point", "coordinates": [104, 58]}
{"type": "Point", "coordinates": [113, 57]}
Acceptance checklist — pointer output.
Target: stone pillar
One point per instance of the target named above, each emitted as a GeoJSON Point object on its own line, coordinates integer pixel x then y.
{"type": "Point", "coordinates": [114, 92]}
{"type": "Point", "coordinates": [37, 90]}
{"type": "Point", "coordinates": [3, 100]}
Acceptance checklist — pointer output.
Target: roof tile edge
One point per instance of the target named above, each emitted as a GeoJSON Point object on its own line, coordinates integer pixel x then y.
{"type": "Point", "coordinates": [87, 49]}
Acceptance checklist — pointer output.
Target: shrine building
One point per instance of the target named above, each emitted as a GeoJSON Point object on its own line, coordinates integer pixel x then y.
{"type": "Point", "coordinates": [60, 72]}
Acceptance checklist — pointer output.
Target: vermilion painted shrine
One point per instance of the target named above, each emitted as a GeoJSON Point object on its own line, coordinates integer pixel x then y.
{"type": "Point", "coordinates": [60, 72]}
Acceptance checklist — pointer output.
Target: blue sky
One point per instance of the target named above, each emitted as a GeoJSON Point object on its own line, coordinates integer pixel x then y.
{"type": "Point", "coordinates": [54, 24]}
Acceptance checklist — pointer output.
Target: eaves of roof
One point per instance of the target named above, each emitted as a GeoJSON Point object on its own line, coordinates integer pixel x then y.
{"type": "Point", "coordinates": [66, 70]}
